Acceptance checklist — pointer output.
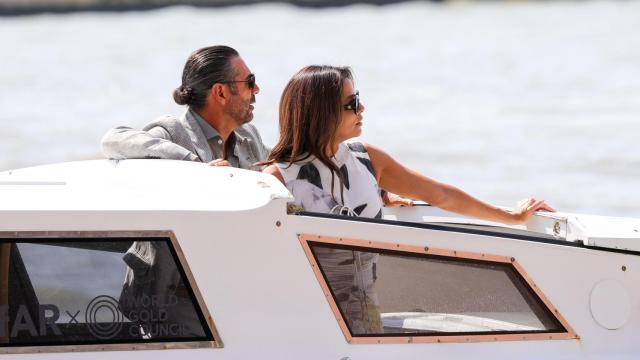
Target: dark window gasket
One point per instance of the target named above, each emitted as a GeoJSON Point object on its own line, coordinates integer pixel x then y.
{"type": "Point", "coordinates": [75, 239]}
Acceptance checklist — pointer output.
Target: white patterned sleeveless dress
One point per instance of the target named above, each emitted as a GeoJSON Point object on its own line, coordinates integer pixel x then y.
{"type": "Point", "coordinates": [310, 182]}
{"type": "Point", "coordinates": [350, 274]}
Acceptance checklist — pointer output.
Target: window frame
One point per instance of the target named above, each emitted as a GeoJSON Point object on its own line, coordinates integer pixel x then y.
{"type": "Point", "coordinates": [36, 237]}
{"type": "Point", "coordinates": [385, 247]}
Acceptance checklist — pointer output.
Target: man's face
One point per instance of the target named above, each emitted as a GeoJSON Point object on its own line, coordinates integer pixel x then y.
{"type": "Point", "coordinates": [239, 107]}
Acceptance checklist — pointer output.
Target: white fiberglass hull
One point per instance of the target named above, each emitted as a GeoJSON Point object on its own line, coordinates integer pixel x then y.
{"type": "Point", "coordinates": [252, 272]}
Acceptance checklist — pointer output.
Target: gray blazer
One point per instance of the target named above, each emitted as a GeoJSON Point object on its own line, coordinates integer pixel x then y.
{"type": "Point", "coordinates": [169, 137]}
{"type": "Point", "coordinates": [150, 289]}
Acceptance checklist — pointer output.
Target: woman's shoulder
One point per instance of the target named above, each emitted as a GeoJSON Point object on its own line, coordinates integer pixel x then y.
{"type": "Point", "coordinates": [359, 152]}
{"type": "Point", "coordinates": [357, 147]}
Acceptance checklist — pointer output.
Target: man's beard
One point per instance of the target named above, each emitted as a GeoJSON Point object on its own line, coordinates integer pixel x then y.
{"type": "Point", "coordinates": [241, 112]}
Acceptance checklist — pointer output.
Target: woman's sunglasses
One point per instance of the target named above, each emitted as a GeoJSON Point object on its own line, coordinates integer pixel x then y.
{"type": "Point", "coordinates": [251, 81]}
{"type": "Point", "coordinates": [354, 104]}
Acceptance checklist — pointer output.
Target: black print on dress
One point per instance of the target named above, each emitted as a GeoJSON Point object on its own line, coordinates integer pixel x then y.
{"type": "Point", "coordinates": [367, 163]}
{"type": "Point", "coordinates": [378, 215]}
{"type": "Point", "coordinates": [310, 173]}
{"type": "Point", "coordinates": [345, 175]}
{"type": "Point", "coordinates": [358, 210]}
{"type": "Point", "coordinates": [357, 147]}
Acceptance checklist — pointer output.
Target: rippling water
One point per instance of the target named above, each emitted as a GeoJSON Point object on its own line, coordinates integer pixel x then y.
{"type": "Point", "coordinates": [505, 100]}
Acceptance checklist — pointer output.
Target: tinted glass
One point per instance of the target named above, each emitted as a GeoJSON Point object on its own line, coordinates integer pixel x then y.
{"type": "Point", "coordinates": [95, 291]}
{"type": "Point", "coordinates": [395, 293]}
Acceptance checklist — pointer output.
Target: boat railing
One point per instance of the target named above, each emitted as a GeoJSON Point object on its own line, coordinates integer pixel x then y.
{"type": "Point", "coordinates": [548, 225]}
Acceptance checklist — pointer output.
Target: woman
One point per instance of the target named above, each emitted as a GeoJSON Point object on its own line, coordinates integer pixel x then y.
{"type": "Point", "coordinates": [319, 111]}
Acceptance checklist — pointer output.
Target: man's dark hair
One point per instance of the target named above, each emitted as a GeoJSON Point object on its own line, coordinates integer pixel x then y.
{"type": "Point", "coordinates": [204, 68]}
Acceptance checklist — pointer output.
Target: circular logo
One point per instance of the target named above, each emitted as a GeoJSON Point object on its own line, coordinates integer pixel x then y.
{"type": "Point", "coordinates": [103, 317]}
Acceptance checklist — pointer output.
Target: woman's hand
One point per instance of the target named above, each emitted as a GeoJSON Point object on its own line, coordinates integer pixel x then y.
{"type": "Point", "coordinates": [525, 209]}
{"type": "Point", "coordinates": [394, 200]}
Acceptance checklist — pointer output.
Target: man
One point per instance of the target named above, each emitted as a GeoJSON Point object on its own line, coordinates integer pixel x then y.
{"type": "Point", "coordinates": [219, 90]}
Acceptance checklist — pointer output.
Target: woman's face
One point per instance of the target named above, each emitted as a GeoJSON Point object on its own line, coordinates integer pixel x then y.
{"type": "Point", "coordinates": [351, 122]}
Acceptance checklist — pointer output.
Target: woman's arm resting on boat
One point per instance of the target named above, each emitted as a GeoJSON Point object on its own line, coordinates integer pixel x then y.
{"type": "Point", "coordinates": [393, 176]}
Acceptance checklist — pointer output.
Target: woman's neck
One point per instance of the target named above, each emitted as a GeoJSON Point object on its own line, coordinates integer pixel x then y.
{"type": "Point", "coordinates": [332, 149]}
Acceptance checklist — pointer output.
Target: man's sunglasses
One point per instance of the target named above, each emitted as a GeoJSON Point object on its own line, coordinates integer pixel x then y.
{"type": "Point", "coordinates": [251, 81]}
{"type": "Point", "coordinates": [354, 104]}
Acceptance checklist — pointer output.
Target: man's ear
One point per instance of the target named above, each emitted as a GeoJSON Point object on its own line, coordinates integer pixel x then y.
{"type": "Point", "coordinates": [219, 93]}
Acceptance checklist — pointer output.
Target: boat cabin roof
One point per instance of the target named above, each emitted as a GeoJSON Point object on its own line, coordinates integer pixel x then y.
{"type": "Point", "coordinates": [137, 185]}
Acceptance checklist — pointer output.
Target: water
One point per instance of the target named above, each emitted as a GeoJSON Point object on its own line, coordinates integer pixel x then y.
{"type": "Point", "coordinates": [505, 100]}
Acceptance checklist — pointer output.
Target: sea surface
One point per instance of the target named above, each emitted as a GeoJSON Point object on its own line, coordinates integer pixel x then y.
{"type": "Point", "coordinates": [503, 99]}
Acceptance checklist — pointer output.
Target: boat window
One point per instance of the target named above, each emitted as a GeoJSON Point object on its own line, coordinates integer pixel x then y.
{"type": "Point", "coordinates": [387, 292]}
{"type": "Point", "coordinates": [84, 291]}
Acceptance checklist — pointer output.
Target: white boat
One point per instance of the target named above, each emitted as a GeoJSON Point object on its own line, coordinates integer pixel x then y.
{"type": "Point", "coordinates": [222, 271]}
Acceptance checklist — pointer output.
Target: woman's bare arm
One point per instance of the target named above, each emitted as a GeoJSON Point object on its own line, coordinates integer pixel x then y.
{"type": "Point", "coordinates": [393, 176]}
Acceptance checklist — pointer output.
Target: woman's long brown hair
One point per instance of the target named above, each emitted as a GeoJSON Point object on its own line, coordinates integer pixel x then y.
{"type": "Point", "coordinates": [310, 112]}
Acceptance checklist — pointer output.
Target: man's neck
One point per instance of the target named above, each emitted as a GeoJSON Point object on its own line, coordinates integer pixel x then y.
{"type": "Point", "coordinates": [222, 123]}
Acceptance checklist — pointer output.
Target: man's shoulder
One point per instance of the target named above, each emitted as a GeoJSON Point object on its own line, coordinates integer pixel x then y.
{"type": "Point", "coordinates": [165, 121]}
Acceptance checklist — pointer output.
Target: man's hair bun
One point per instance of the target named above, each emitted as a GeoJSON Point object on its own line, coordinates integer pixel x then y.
{"type": "Point", "coordinates": [182, 95]}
